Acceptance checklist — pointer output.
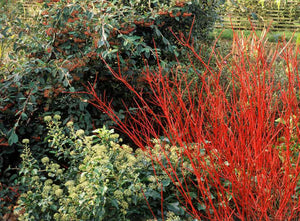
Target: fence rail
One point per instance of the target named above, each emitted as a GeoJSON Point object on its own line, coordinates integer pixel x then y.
{"type": "Point", "coordinates": [287, 17]}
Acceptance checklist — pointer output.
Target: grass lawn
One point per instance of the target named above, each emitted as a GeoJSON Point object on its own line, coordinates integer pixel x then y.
{"type": "Point", "coordinates": [227, 34]}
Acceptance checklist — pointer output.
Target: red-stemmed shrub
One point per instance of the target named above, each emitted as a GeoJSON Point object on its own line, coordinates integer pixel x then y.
{"type": "Point", "coordinates": [236, 126]}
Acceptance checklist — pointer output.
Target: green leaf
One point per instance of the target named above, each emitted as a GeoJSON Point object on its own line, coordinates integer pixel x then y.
{"type": "Point", "coordinates": [82, 106]}
{"type": "Point", "coordinates": [165, 41]}
{"type": "Point", "coordinates": [53, 207]}
{"type": "Point", "coordinates": [32, 98]}
{"type": "Point", "coordinates": [193, 195]}
{"type": "Point", "coordinates": [100, 43]}
{"type": "Point", "coordinates": [115, 203]}
{"type": "Point", "coordinates": [13, 138]}
{"type": "Point", "coordinates": [147, 54]}
{"type": "Point", "coordinates": [166, 182]}
{"type": "Point", "coordinates": [201, 207]}
{"type": "Point", "coordinates": [280, 120]}
{"type": "Point", "coordinates": [174, 207]}
{"type": "Point", "coordinates": [158, 33]}
{"type": "Point", "coordinates": [65, 82]}
{"type": "Point", "coordinates": [104, 190]}
{"type": "Point", "coordinates": [24, 116]}
{"type": "Point", "coordinates": [153, 194]}
{"type": "Point", "coordinates": [13, 177]}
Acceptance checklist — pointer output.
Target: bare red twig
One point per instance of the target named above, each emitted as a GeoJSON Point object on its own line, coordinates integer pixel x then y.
{"type": "Point", "coordinates": [225, 126]}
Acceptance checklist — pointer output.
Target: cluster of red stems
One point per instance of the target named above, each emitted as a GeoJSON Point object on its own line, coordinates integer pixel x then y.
{"type": "Point", "coordinates": [233, 120]}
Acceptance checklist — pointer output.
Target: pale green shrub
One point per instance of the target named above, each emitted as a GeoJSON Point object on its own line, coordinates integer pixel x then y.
{"type": "Point", "coordinates": [93, 178]}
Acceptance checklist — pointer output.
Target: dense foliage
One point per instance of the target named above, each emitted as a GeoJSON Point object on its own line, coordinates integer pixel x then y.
{"type": "Point", "coordinates": [100, 180]}
{"type": "Point", "coordinates": [62, 47]}
{"type": "Point", "coordinates": [215, 136]}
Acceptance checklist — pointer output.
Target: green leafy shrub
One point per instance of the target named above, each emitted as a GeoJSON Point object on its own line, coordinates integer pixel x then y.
{"type": "Point", "coordinates": [93, 178]}
{"type": "Point", "coordinates": [65, 48]}
{"type": "Point", "coordinates": [68, 44]}
{"type": "Point", "coordinates": [11, 25]}
{"type": "Point", "coordinates": [61, 49]}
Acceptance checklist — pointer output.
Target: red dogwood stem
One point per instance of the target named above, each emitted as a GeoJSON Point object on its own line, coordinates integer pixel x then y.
{"type": "Point", "coordinates": [226, 125]}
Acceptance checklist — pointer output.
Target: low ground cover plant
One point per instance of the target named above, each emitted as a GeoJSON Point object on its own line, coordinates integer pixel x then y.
{"type": "Point", "coordinates": [238, 127]}
{"type": "Point", "coordinates": [94, 178]}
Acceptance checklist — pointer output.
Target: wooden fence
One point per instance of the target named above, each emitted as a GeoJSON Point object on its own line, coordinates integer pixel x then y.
{"type": "Point", "coordinates": [30, 9]}
{"type": "Point", "coordinates": [287, 17]}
